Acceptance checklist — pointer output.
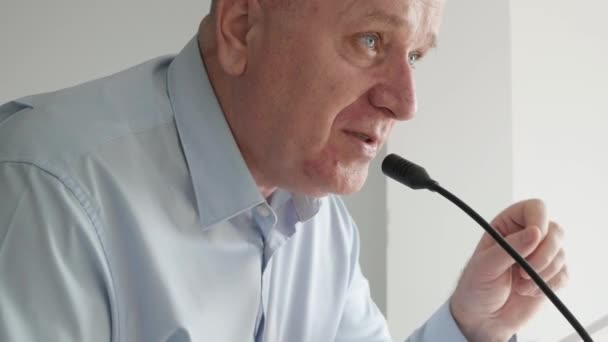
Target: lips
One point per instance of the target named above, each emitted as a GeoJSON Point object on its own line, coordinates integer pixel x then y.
{"type": "Point", "coordinates": [367, 138]}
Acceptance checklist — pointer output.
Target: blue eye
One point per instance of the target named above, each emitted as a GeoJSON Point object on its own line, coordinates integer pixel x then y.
{"type": "Point", "coordinates": [413, 58]}
{"type": "Point", "coordinates": [370, 41]}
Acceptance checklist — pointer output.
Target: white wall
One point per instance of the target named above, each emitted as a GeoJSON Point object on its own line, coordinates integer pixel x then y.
{"type": "Point", "coordinates": [560, 117]}
{"type": "Point", "coordinates": [46, 45]}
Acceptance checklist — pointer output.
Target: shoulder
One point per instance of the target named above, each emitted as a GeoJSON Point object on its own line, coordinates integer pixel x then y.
{"type": "Point", "coordinates": [60, 125]}
{"type": "Point", "coordinates": [48, 233]}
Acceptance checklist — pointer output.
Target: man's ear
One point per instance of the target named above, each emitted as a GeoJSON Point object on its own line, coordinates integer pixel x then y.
{"type": "Point", "coordinates": [232, 23]}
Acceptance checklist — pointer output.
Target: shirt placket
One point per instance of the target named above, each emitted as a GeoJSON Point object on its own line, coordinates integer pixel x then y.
{"type": "Point", "coordinates": [265, 219]}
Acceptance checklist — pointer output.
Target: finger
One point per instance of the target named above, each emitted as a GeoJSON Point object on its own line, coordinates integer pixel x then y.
{"type": "Point", "coordinates": [534, 213]}
{"type": "Point", "coordinates": [559, 281]}
{"type": "Point", "coordinates": [527, 286]}
{"type": "Point", "coordinates": [517, 217]}
{"type": "Point", "coordinates": [543, 256]}
{"type": "Point", "coordinates": [494, 261]}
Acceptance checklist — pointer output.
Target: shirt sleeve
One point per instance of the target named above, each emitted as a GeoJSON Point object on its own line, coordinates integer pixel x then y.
{"type": "Point", "coordinates": [54, 283]}
{"type": "Point", "coordinates": [440, 327]}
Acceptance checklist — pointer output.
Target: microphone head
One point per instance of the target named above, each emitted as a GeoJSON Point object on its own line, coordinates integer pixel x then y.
{"type": "Point", "coordinates": [407, 173]}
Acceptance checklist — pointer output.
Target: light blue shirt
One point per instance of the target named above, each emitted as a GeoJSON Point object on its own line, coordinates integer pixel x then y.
{"type": "Point", "coordinates": [128, 214]}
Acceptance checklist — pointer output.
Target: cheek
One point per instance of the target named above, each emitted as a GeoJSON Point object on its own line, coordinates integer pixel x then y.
{"type": "Point", "coordinates": [326, 103]}
{"type": "Point", "coordinates": [324, 164]}
{"type": "Point", "coordinates": [314, 118]}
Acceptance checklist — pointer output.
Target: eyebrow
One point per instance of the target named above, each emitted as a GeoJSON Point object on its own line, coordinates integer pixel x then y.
{"type": "Point", "coordinates": [381, 16]}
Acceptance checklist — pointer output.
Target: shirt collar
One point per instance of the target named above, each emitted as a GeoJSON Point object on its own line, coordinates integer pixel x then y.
{"type": "Point", "coordinates": [223, 185]}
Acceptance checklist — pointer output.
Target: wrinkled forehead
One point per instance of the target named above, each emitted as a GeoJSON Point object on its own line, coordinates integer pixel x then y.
{"type": "Point", "coordinates": [399, 7]}
{"type": "Point", "coordinates": [413, 13]}
{"type": "Point", "coordinates": [418, 19]}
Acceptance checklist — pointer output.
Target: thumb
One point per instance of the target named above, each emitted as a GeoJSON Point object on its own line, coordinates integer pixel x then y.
{"type": "Point", "coordinates": [496, 261]}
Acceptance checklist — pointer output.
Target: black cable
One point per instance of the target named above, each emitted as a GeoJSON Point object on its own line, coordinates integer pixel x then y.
{"type": "Point", "coordinates": [416, 177]}
{"type": "Point", "coordinates": [521, 261]}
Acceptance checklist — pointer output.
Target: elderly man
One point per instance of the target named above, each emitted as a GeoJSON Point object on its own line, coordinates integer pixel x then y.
{"type": "Point", "coordinates": [194, 198]}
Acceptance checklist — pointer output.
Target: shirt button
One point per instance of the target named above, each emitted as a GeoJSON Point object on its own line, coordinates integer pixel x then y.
{"type": "Point", "coordinates": [263, 211]}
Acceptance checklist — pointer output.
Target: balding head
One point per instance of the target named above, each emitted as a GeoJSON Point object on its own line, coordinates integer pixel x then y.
{"type": "Point", "coordinates": [286, 3]}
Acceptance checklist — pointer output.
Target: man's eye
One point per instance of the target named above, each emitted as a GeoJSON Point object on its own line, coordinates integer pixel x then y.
{"type": "Point", "coordinates": [413, 58]}
{"type": "Point", "coordinates": [370, 41]}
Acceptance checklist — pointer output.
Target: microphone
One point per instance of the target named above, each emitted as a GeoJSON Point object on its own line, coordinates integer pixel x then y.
{"type": "Point", "coordinates": [416, 177]}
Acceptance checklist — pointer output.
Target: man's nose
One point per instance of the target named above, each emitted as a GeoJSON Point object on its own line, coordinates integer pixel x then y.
{"type": "Point", "coordinates": [395, 91]}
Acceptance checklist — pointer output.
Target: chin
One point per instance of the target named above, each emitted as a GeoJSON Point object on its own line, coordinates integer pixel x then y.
{"type": "Point", "coordinates": [323, 191]}
{"type": "Point", "coordinates": [327, 176]}
{"type": "Point", "coordinates": [339, 182]}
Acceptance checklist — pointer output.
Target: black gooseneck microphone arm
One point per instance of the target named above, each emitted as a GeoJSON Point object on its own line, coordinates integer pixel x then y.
{"type": "Point", "coordinates": [416, 177]}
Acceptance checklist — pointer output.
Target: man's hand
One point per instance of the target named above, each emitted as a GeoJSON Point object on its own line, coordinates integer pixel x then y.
{"type": "Point", "coordinates": [495, 298]}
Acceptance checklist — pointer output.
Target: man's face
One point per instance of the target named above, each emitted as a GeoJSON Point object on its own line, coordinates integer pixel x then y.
{"type": "Point", "coordinates": [324, 84]}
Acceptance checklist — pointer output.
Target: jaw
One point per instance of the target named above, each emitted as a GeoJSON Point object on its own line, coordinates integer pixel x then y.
{"type": "Point", "coordinates": [329, 175]}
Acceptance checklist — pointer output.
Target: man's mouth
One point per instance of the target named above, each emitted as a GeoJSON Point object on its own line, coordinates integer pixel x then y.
{"type": "Point", "coordinates": [363, 137]}
{"type": "Point", "coordinates": [367, 145]}
{"type": "Point", "coordinates": [368, 139]}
